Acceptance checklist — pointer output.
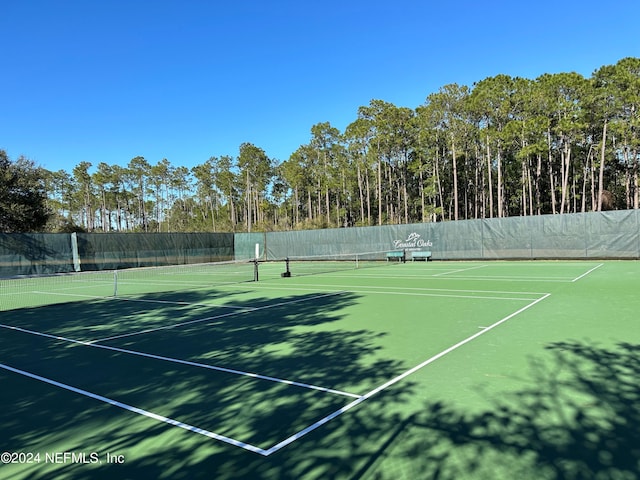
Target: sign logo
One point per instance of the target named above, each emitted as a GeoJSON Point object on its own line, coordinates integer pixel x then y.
{"type": "Point", "coordinates": [414, 241]}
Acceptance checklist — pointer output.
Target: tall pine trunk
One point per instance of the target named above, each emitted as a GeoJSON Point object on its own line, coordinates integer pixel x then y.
{"type": "Point", "coordinates": [601, 173]}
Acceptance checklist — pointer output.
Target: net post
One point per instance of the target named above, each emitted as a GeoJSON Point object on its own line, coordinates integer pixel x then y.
{"type": "Point", "coordinates": [287, 272]}
{"type": "Point", "coordinates": [255, 270]}
{"type": "Point", "coordinates": [115, 283]}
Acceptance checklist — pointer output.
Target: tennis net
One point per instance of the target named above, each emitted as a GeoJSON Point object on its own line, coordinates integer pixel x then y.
{"type": "Point", "coordinates": [316, 264]}
{"type": "Point", "coordinates": [34, 291]}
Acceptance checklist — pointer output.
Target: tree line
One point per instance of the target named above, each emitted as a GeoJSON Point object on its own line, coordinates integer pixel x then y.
{"type": "Point", "coordinates": [506, 146]}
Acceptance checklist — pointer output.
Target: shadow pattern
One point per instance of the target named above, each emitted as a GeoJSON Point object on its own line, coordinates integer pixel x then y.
{"type": "Point", "coordinates": [578, 418]}
{"type": "Point", "coordinates": [302, 342]}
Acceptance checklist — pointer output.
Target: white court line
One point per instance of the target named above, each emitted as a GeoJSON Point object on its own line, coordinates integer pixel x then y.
{"type": "Point", "coordinates": [186, 304]}
{"type": "Point", "coordinates": [141, 300]}
{"type": "Point", "coordinates": [460, 270]}
{"type": "Point", "coordinates": [465, 277]}
{"type": "Point", "coordinates": [419, 291]}
{"type": "Point", "coordinates": [504, 278]}
{"type": "Point", "coordinates": [417, 294]}
{"type": "Point", "coordinates": [214, 317]}
{"type": "Point", "coordinates": [124, 299]}
{"type": "Point", "coordinates": [60, 294]}
{"type": "Point", "coordinates": [139, 411]}
{"type": "Point", "coordinates": [376, 289]}
{"type": "Point", "coordinates": [167, 327]}
{"type": "Point", "coordinates": [444, 295]}
{"type": "Point", "coordinates": [191, 285]}
{"type": "Point", "coordinates": [395, 380]}
{"type": "Point", "coordinates": [183, 362]}
{"type": "Point", "coordinates": [587, 273]}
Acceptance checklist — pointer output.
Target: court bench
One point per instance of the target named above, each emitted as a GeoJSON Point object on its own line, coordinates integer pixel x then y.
{"type": "Point", "coordinates": [426, 256]}
{"type": "Point", "coordinates": [396, 254]}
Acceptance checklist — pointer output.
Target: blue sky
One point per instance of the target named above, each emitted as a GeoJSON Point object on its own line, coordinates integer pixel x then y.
{"type": "Point", "coordinates": [105, 81]}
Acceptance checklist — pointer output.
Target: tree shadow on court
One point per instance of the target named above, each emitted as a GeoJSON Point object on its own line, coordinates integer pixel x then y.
{"type": "Point", "coordinates": [295, 337]}
{"type": "Point", "coordinates": [102, 317]}
{"type": "Point", "coordinates": [577, 418]}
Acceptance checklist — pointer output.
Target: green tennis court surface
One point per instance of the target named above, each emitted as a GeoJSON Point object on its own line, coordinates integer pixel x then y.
{"type": "Point", "coordinates": [419, 370]}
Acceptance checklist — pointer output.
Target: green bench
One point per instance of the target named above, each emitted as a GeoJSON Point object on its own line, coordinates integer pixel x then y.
{"type": "Point", "coordinates": [396, 254]}
{"type": "Point", "coordinates": [426, 256]}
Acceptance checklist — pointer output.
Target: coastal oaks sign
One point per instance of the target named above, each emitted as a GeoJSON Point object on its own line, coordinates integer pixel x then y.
{"type": "Point", "coordinates": [414, 241]}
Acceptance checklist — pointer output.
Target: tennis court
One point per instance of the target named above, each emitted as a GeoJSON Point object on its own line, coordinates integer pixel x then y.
{"type": "Point", "coordinates": [343, 370]}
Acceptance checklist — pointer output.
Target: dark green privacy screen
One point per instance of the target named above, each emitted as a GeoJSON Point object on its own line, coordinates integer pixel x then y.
{"type": "Point", "coordinates": [614, 234]}
{"type": "Point", "coordinates": [34, 253]}
{"type": "Point", "coordinates": [112, 251]}
{"type": "Point", "coordinates": [30, 254]}
{"type": "Point", "coordinates": [245, 246]}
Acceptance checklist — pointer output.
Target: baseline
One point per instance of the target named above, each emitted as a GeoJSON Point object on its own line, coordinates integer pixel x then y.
{"type": "Point", "coordinates": [458, 277]}
{"type": "Point", "coordinates": [413, 291]}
